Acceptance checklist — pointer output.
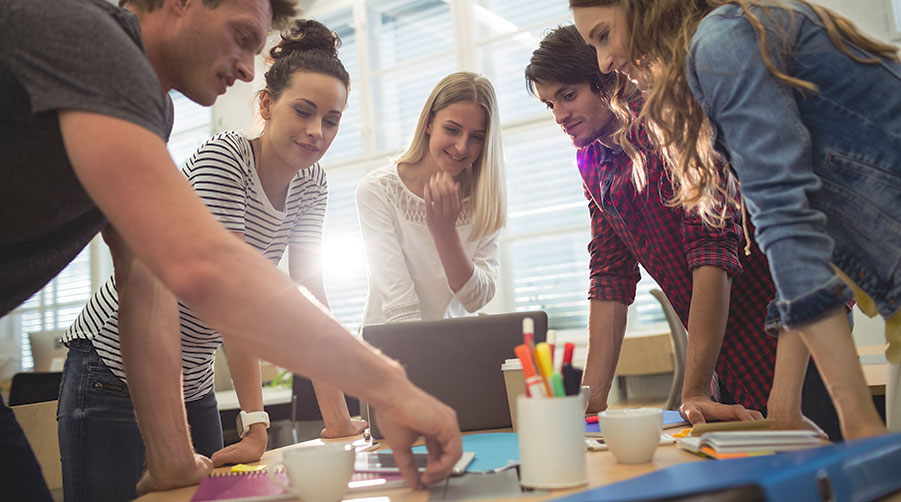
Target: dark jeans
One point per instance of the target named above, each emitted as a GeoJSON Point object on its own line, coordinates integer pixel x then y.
{"type": "Point", "coordinates": [20, 475]}
{"type": "Point", "coordinates": [99, 441]}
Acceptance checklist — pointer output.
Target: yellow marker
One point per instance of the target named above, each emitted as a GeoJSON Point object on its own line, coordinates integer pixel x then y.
{"type": "Point", "coordinates": [545, 367]}
{"type": "Point", "coordinates": [683, 433]}
{"type": "Point", "coordinates": [248, 468]}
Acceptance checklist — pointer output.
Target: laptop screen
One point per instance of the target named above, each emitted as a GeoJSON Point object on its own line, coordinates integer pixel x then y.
{"type": "Point", "coordinates": [458, 361]}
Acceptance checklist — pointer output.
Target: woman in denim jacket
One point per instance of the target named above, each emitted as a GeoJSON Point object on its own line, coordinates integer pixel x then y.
{"type": "Point", "coordinates": [807, 110]}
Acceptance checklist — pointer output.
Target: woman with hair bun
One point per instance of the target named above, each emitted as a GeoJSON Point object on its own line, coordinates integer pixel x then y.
{"type": "Point", "coordinates": [431, 219]}
{"type": "Point", "coordinates": [271, 193]}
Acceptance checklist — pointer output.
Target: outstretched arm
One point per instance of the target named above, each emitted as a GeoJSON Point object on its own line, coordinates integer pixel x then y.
{"type": "Point", "coordinates": [128, 173]}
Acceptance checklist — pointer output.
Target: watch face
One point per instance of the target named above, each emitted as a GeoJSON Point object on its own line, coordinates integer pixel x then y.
{"type": "Point", "coordinates": [239, 424]}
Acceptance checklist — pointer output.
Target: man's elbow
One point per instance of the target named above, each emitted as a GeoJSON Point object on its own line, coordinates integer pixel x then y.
{"type": "Point", "coordinates": [196, 281]}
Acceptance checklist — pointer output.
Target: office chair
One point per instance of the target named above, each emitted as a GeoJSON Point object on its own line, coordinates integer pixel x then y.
{"type": "Point", "coordinates": [679, 336]}
{"type": "Point", "coordinates": [28, 388]}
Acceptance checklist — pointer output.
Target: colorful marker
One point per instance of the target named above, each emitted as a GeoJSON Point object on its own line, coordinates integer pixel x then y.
{"type": "Point", "coordinates": [551, 342]}
{"type": "Point", "coordinates": [543, 361]}
{"type": "Point", "coordinates": [570, 379]}
{"type": "Point", "coordinates": [534, 385]}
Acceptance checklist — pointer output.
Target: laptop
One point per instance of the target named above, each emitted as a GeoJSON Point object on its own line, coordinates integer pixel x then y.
{"type": "Point", "coordinates": [47, 350]}
{"type": "Point", "coordinates": [458, 361]}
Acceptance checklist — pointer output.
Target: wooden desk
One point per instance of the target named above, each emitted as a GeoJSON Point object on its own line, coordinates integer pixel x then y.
{"type": "Point", "coordinates": [876, 374]}
{"type": "Point", "coordinates": [603, 469]}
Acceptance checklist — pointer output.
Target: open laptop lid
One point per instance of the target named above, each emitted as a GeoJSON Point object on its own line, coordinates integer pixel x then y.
{"type": "Point", "coordinates": [458, 361]}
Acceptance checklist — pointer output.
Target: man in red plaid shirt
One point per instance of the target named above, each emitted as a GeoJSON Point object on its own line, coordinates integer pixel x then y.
{"type": "Point", "coordinates": [719, 292]}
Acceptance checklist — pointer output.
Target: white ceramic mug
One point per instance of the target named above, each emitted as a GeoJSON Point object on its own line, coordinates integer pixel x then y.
{"type": "Point", "coordinates": [317, 473]}
{"type": "Point", "coordinates": [632, 435]}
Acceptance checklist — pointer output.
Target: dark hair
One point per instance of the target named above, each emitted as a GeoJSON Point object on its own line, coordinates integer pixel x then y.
{"type": "Point", "coordinates": [282, 10]}
{"type": "Point", "coordinates": [307, 45]}
{"type": "Point", "coordinates": [562, 56]}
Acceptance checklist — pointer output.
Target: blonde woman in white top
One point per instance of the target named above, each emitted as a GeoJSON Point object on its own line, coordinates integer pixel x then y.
{"type": "Point", "coordinates": [430, 221]}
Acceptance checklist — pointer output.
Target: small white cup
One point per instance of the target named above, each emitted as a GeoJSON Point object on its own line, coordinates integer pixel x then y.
{"type": "Point", "coordinates": [632, 435]}
{"type": "Point", "coordinates": [317, 473]}
{"type": "Point", "coordinates": [551, 442]}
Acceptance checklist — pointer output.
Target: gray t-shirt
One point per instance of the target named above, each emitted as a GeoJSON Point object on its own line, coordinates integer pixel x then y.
{"type": "Point", "coordinates": [60, 54]}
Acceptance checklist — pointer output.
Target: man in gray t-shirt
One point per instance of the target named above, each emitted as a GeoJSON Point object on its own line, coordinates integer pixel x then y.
{"type": "Point", "coordinates": [82, 93]}
{"type": "Point", "coordinates": [85, 55]}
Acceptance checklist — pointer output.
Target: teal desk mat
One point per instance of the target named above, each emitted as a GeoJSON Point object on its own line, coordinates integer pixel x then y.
{"type": "Point", "coordinates": [493, 450]}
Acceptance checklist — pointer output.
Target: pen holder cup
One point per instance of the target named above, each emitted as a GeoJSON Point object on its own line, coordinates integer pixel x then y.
{"type": "Point", "coordinates": [516, 385]}
{"type": "Point", "coordinates": [551, 442]}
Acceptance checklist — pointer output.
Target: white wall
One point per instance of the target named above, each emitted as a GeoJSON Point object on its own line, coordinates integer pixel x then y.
{"type": "Point", "coordinates": [872, 16]}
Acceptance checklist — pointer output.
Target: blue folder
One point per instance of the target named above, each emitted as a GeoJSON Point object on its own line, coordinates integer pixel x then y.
{"type": "Point", "coordinates": [864, 469]}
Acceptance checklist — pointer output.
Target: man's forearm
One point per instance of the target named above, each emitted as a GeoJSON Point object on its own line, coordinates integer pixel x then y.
{"type": "Point", "coordinates": [707, 320]}
{"type": "Point", "coordinates": [151, 353]}
{"type": "Point", "coordinates": [606, 329]}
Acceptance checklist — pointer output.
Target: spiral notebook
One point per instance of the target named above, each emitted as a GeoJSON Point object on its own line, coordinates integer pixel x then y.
{"type": "Point", "coordinates": [255, 486]}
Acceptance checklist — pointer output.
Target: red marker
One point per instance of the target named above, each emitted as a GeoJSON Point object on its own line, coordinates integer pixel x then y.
{"type": "Point", "coordinates": [570, 380]}
{"type": "Point", "coordinates": [568, 349]}
{"type": "Point", "coordinates": [534, 383]}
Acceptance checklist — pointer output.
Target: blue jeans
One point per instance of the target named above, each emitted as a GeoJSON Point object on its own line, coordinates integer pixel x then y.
{"type": "Point", "coordinates": [100, 444]}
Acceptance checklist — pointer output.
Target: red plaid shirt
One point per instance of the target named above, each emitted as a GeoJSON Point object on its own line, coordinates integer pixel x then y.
{"type": "Point", "coordinates": [629, 228]}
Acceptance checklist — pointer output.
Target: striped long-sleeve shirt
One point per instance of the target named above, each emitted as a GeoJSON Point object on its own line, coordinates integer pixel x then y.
{"type": "Point", "coordinates": [222, 173]}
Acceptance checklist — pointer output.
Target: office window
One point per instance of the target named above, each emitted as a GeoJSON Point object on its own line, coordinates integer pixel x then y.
{"type": "Point", "coordinates": [54, 307]}
{"type": "Point", "coordinates": [896, 20]}
{"type": "Point", "coordinates": [396, 51]}
{"type": "Point", "coordinates": [412, 48]}
{"type": "Point", "coordinates": [191, 128]}
{"type": "Point", "coordinates": [348, 144]}
{"type": "Point", "coordinates": [61, 300]}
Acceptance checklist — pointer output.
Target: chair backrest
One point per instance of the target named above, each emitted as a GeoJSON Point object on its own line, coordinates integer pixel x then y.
{"type": "Point", "coordinates": [28, 388]}
{"type": "Point", "coordinates": [679, 335]}
{"type": "Point", "coordinates": [38, 422]}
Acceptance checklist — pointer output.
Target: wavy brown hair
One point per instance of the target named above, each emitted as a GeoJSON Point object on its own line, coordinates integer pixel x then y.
{"type": "Point", "coordinates": [660, 32]}
{"type": "Point", "coordinates": [563, 57]}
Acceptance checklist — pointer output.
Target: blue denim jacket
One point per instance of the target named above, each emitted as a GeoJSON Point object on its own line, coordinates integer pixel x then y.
{"type": "Point", "coordinates": [820, 171]}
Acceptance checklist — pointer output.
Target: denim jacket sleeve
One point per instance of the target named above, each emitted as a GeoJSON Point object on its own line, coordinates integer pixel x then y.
{"type": "Point", "coordinates": [757, 121]}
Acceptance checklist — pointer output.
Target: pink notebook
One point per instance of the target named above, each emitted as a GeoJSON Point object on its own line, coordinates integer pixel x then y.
{"type": "Point", "coordinates": [255, 486]}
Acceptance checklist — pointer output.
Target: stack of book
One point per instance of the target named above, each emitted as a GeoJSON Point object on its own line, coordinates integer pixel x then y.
{"type": "Point", "coordinates": [737, 444]}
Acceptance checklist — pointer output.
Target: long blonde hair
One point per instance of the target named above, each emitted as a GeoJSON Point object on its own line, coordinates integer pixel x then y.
{"type": "Point", "coordinates": [660, 32]}
{"type": "Point", "coordinates": [486, 183]}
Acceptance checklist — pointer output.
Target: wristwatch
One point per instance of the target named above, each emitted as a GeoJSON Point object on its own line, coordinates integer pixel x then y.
{"type": "Point", "coordinates": [244, 420]}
